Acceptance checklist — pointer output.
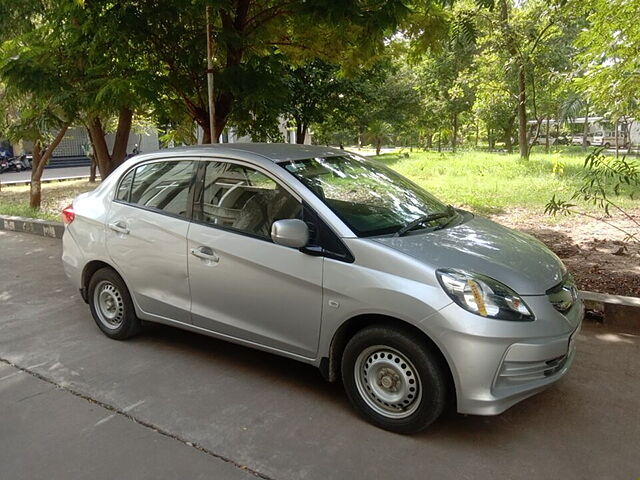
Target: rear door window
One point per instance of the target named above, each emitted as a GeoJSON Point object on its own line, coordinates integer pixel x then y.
{"type": "Point", "coordinates": [161, 186]}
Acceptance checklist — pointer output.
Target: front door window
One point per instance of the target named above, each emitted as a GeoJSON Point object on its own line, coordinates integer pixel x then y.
{"type": "Point", "coordinates": [243, 199]}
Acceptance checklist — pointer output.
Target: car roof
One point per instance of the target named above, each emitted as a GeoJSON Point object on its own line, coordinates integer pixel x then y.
{"type": "Point", "coordinates": [276, 152]}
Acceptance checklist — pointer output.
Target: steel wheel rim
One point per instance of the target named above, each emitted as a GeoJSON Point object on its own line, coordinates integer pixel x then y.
{"type": "Point", "coordinates": [109, 304]}
{"type": "Point", "coordinates": [388, 382]}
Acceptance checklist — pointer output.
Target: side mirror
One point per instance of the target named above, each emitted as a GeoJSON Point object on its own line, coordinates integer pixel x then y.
{"type": "Point", "coordinates": [290, 233]}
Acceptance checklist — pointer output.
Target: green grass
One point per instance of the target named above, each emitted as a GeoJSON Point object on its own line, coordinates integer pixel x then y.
{"type": "Point", "coordinates": [492, 182]}
{"type": "Point", "coordinates": [55, 196]}
{"type": "Point", "coordinates": [481, 181]}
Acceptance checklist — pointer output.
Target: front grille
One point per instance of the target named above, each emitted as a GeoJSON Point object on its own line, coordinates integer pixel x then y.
{"type": "Point", "coordinates": [515, 373]}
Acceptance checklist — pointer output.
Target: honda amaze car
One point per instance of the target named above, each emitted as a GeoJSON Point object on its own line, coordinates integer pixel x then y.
{"type": "Point", "coordinates": [331, 259]}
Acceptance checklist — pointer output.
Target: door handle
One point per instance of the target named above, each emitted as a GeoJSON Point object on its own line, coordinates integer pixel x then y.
{"type": "Point", "coordinates": [205, 253]}
{"type": "Point", "coordinates": [119, 227]}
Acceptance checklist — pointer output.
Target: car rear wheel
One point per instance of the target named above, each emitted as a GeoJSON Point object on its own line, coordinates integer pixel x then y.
{"type": "Point", "coordinates": [393, 379]}
{"type": "Point", "coordinates": [111, 305]}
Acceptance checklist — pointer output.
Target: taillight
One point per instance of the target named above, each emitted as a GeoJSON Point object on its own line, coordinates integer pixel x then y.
{"type": "Point", "coordinates": [68, 215]}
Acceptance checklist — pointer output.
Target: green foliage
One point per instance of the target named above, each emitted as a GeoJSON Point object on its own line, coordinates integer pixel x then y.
{"type": "Point", "coordinates": [604, 181]}
{"type": "Point", "coordinates": [610, 55]}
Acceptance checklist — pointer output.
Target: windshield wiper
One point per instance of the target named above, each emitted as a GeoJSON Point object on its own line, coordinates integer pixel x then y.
{"type": "Point", "coordinates": [424, 219]}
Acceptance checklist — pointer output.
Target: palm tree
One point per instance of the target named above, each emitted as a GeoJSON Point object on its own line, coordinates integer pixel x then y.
{"type": "Point", "coordinates": [378, 131]}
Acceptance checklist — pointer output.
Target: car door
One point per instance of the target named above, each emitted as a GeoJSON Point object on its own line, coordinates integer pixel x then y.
{"type": "Point", "coordinates": [242, 284]}
{"type": "Point", "coordinates": [147, 236]}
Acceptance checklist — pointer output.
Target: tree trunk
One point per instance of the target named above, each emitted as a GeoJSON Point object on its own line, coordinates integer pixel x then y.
{"type": "Point", "coordinates": [206, 133]}
{"type": "Point", "coordinates": [99, 145]}
{"type": "Point", "coordinates": [35, 187]}
{"type": "Point", "coordinates": [301, 132]}
{"type": "Point", "coordinates": [378, 145]}
{"type": "Point", "coordinates": [92, 169]}
{"type": "Point", "coordinates": [615, 126]}
{"type": "Point", "coordinates": [119, 151]}
{"type": "Point", "coordinates": [108, 162]}
{"type": "Point", "coordinates": [439, 142]}
{"type": "Point", "coordinates": [477, 133]}
{"type": "Point", "coordinates": [429, 141]}
{"type": "Point", "coordinates": [40, 159]}
{"type": "Point", "coordinates": [508, 144]}
{"type": "Point", "coordinates": [455, 133]}
{"type": "Point", "coordinates": [585, 130]}
{"type": "Point", "coordinates": [522, 113]}
{"type": "Point", "coordinates": [546, 142]}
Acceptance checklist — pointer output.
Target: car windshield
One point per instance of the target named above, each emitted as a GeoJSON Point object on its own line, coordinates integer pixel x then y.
{"type": "Point", "coordinates": [369, 197]}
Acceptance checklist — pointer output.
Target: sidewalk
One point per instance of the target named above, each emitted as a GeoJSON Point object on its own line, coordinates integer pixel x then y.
{"type": "Point", "coordinates": [50, 433]}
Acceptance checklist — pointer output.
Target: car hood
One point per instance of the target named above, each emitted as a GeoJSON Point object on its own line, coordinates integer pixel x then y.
{"type": "Point", "coordinates": [479, 245]}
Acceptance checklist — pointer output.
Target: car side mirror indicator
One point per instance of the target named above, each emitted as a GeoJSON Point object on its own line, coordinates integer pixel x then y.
{"type": "Point", "coordinates": [290, 233]}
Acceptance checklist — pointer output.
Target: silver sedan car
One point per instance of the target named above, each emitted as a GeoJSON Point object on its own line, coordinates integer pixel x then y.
{"type": "Point", "coordinates": [333, 260]}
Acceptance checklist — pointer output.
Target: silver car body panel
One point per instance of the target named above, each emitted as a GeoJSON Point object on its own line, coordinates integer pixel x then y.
{"type": "Point", "coordinates": [248, 278]}
{"type": "Point", "coordinates": [281, 300]}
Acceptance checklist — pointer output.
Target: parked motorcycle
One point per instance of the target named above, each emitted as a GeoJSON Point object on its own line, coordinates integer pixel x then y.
{"type": "Point", "coordinates": [25, 160]}
{"type": "Point", "coordinates": [15, 164]}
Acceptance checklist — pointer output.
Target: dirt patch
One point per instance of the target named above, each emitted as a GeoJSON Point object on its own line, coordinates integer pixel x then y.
{"type": "Point", "coordinates": [594, 252]}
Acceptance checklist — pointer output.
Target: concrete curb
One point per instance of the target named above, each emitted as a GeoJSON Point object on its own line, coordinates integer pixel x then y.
{"type": "Point", "coordinates": [618, 311]}
{"type": "Point", "coordinates": [36, 226]}
{"type": "Point", "coordinates": [612, 299]}
{"type": "Point", "coordinates": [13, 183]}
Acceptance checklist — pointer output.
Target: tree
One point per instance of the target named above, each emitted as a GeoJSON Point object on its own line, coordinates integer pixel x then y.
{"type": "Point", "coordinates": [529, 36]}
{"type": "Point", "coordinates": [39, 103]}
{"type": "Point", "coordinates": [80, 50]}
{"type": "Point", "coordinates": [313, 91]}
{"type": "Point", "coordinates": [246, 33]}
{"type": "Point", "coordinates": [610, 57]}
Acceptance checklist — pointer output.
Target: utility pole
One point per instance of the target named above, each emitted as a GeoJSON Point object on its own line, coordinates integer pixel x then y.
{"type": "Point", "coordinates": [212, 105]}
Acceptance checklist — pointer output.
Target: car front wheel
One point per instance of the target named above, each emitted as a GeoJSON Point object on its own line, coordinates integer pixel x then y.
{"type": "Point", "coordinates": [111, 305]}
{"type": "Point", "coordinates": [393, 379]}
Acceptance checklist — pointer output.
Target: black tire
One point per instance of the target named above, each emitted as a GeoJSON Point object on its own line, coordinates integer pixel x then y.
{"type": "Point", "coordinates": [124, 323]}
{"type": "Point", "coordinates": [430, 397]}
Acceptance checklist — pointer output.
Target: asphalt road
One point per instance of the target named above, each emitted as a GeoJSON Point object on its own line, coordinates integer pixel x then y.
{"type": "Point", "coordinates": [171, 404]}
{"type": "Point", "coordinates": [48, 173]}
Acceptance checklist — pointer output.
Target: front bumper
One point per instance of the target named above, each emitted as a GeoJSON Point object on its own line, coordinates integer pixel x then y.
{"type": "Point", "coordinates": [496, 364]}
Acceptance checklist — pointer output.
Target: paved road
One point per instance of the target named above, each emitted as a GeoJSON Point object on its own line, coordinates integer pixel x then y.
{"type": "Point", "coordinates": [48, 173]}
{"type": "Point", "coordinates": [249, 412]}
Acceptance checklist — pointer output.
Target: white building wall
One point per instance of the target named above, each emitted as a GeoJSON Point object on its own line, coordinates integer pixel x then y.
{"type": "Point", "coordinates": [76, 142]}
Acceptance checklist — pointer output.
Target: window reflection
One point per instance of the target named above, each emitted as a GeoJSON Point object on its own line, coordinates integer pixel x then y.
{"type": "Point", "coordinates": [369, 197]}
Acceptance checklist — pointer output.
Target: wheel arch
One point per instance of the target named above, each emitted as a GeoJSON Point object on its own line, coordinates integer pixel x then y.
{"type": "Point", "coordinates": [92, 267]}
{"type": "Point", "coordinates": [330, 367]}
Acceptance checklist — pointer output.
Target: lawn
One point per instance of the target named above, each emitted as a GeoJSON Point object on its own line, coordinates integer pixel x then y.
{"type": "Point", "coordinates": [493, 183]}
{"type": "Point", "coordinates": [488, 183]}
{"type": "Point", "coordinates": [55, 196]}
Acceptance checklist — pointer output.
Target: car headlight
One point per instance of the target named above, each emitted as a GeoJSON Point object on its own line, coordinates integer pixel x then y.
{"type": "Point", "coordinates": [483, 295]}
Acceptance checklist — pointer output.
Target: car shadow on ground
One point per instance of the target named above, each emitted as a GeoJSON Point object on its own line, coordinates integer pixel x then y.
{"type": "Point", "coordinates": [304, 380]}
